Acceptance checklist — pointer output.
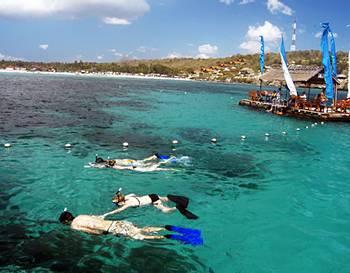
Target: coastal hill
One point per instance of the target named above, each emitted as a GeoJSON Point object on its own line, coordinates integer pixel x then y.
{"type": "Point", "coordinates": [237, 68]}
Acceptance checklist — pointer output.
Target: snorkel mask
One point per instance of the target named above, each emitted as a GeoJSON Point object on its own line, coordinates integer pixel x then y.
{"type": "Point", "coordinates": [118, 197]}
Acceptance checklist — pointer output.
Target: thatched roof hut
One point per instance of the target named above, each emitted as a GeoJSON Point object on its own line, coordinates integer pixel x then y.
{"type": "Point", "coordinates": [303, 76]}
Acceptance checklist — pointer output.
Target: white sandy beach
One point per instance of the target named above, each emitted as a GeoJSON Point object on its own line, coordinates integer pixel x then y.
{"type": "Point", "coordinates": [96, 75]}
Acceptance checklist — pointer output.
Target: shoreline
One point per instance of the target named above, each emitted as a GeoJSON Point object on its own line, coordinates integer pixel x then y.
{"type": "Point", "coordinates": [117, 76]}
{"type": "Point", "coordinates": [95, 75]}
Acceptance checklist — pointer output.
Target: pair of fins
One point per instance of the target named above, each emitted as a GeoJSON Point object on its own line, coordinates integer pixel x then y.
{"type": "Point", "coordinates": [185, 235]}
{"type": "Point", "coordinates": [181, 205]}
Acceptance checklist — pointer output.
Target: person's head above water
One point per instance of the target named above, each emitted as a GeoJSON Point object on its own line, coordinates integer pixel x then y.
{"type": "Point", "coordinates": [118, 197]}
{"type": "Point", "coordinates": [66, 217]}
{"type": "Point", "coordinates": [111, 162]}
{"type": "Point", "coordinates": [99, 159]}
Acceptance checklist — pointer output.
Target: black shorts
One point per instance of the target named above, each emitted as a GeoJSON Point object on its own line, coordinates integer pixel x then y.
{"type": "Point", "coordinates": [154, 197]}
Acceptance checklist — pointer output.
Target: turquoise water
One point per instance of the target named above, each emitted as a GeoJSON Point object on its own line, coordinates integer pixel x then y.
{"type": "Point", "coordinates": [276, 204]}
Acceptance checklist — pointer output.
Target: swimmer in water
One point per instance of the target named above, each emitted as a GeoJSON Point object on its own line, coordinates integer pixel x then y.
{"type": "Point", "coordinates": [132, 201]}
{"type": "Point", "coordinates": [93, 224]}
{"type": "Point", "coordinates": [149, 164]}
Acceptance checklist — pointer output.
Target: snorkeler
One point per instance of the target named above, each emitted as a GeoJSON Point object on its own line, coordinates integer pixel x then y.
{"type": "Point", "coordinates": [93, 224]}
{"type": "Point", "coordinates": [127, 162]}
{"type": "Point", "coordinates": [133, 201]}
{"type": "Point", "coordinates": [148, 164]}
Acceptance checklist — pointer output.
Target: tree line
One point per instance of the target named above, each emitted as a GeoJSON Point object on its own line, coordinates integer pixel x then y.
{"type": "Point", "coordinates": [180, 66]}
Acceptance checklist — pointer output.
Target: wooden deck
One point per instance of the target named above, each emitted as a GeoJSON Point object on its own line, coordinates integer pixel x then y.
{"type": "Point", "coordinates": [327, 115]}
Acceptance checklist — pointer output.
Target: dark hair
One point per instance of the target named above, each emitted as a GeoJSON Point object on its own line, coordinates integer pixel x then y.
{"type": "Point", "coordinates": [99, 160]}
{"type": "Point", "coordinates": [111, 162]}
{"type": "Point", "coordinates": [66, 217]}
{"type": "Point", "coordinates": [119, 196]}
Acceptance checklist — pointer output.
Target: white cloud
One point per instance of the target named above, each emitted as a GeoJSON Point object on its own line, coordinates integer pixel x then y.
{"type": "Point", "coordinates": [176, 55]}
{"type": "Point", "coordinates": [116, 53]}
{"type": "Point", "coordinates": [301, 30]}
{"type": "Point", "coordinates": [115, 21]}
{"type": "Point", "coordinates": [275, 6]}
{"type": "Point", "coordinates": [9, 58]}
{"type": "Point", "coordinates": [110, 11]}
{"type": "Point", "coordinates": [319, 34]}
{"type": "Point", "coordinates": [271, 33]}
{"type": "Point", "coordinates": [44, 46]}
{"type": "Point", "coordinates": [227, 2]}
{"type": "Point", "coordinates": [244, 2]}
{"type": "Point", "coordinates": [144, 49]}
{"type": "Point", "coordinates": [202, 56]}
{"type": "Point", "coordinates": [141, 49]}
{"type": "Point", "coordinates": [207, 49]}
{"type": "Point", "coordinates": [99, 57]}
{"type": "Point", "coordinates": [250, 46]}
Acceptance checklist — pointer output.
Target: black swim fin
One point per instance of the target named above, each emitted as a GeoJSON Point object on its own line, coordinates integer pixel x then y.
{"type": "Point", "coordinates": [179, 200]}
{"type": "Point", "coordinates": [186, 213]}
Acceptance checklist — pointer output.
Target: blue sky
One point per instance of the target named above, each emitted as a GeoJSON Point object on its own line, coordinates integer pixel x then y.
{"type": "Point", "coordinates": [110, 30]}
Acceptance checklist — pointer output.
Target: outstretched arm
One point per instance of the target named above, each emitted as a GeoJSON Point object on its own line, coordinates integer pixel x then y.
{"type": "Point", "coordinates": [153, 157]}
{"type": "Point", "coordinates": [115, 211]}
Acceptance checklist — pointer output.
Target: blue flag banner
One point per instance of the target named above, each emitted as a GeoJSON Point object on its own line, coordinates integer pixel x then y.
{"type": "Point", "coordinates": [333, 54]}
{"type": "Point", "coordinates": [326, 61]}
{"type": "Point", "coordinates": [262, 49]}
{"type": "Point", "coordinates": [283, 52]}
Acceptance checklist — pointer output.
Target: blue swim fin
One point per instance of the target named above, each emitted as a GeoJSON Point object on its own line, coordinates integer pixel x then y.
{"type": "Point", "coordinates": [194, 240]}
{"type": "Point", "coordinates": [184, 231]}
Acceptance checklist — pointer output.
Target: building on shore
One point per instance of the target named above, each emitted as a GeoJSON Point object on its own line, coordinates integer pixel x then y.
{"type": "Point", "coordinates": [306, 107]}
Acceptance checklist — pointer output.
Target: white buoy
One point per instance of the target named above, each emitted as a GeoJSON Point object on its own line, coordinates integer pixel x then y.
{"type": "Point", "coordinates": [312, 125]}
{"type": "Point", "coordinates": [7, 145]}
{"type": "Point", "coordinates": [243, 137]}
{"type": "Point", "coordinates": [175, 142]}
{"type": "Point", "coordinates": [307, 127]}
{"type": "Point", "coordinates": [284, 133]}
{"type": "Point", "coordinates": [315, 123]}
{"type": "Point", "coordinates": [214, 140]}
{"type": "Point", "coordinates": [125, 144]}
{"type": "Point", "coordinates": [322, 122]}
{"type": "Point", "coordinates": [68, 146]}
{"type": "Point", "coordinates": [267, 134]}
{"type": "Point", "coordinates": [298, 129]}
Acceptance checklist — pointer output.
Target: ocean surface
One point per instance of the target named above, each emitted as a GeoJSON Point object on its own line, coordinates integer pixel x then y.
{"type": "Point", "coordinates": [265, 204]}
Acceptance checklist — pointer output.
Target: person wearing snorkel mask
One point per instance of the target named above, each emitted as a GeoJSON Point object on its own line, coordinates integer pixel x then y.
{"type": "Point", "coordinates": [95, 225]}
{"type": "Point", "coordinates": [156, 158]}
{"type": "Point", "coordinates": [149, 164]}
{"type": "Point", "coordinates": [132, 201]}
